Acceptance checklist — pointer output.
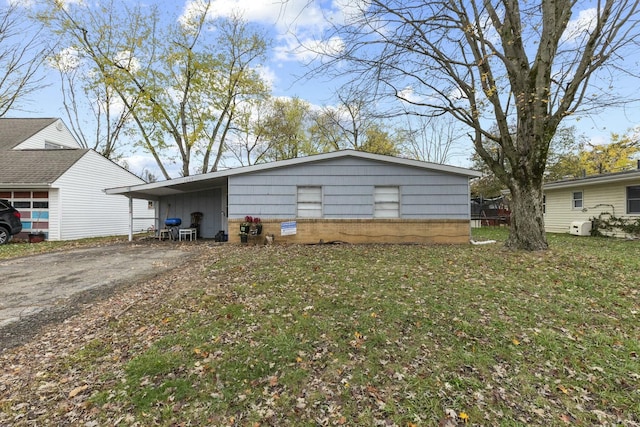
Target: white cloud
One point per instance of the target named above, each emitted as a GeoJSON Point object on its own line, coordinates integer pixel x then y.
{"type": "Point", "coordinates": [409, 95]}
{"type": "Point", "coordinates": [279, 13]}
{"type": "Point", "coordinates": [299, 24]}
{"type": "Point", "coordinates": [267, 75]}
{"type": "Point", "coordinates": [66, 60]}
{"type": "Point", "coordinates": [193, 10]}
{"type": "Point", "coordinates": [581, 26]}
{"type": "Point", "coordinates": [126, 60]}
{"type": "Point", "coordinates": [305, 50]}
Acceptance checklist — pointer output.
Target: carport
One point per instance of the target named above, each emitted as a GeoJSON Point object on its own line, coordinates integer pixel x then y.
{"type": "Point", "coordinates": [179, 198]}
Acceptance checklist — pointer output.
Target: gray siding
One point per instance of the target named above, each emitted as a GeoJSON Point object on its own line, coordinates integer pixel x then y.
{"type": "Point", "coordinates": [209, 202]}
{"type": "Point", "coordinates": [347, 187]}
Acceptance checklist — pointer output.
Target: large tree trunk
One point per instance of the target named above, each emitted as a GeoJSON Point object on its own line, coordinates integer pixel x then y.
{"type": "Point", "coordinates": [527, 223]}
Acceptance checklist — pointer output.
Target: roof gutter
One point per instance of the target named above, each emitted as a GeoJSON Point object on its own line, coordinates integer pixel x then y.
{"type": "Point", "coordinates": [584, 182]}
{"type": "Point", "coordinates": [25, 186]}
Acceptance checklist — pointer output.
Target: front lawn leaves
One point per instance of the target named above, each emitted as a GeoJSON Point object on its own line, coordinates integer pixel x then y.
{"type": "Point", "coordinates": [404, 335]}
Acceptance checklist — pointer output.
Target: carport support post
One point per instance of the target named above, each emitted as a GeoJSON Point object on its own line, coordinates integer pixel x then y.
{"type": "Point", "coordinates": [130, 218]}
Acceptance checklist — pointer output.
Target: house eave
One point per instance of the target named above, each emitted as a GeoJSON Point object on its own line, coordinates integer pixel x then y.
{"type": "Point", "coordinates": [27, 185]}
{"type": "Point", "coordinates": [595, 180]}
{"type": "Point", "coordinates": [219, 178]}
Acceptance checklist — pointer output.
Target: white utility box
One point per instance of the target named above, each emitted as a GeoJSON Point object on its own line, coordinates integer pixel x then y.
{"type": "Point", "coordinates": [580, 228]}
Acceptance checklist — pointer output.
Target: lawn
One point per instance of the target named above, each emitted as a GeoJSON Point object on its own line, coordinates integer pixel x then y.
{"type": "Point", "coordinates": [404, 335]}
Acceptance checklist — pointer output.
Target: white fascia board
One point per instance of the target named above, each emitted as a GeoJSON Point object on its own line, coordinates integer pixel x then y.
{"type": "Point", "coordinates": [150, 187]}
{"type": "Point", "coordinates": [584, 182]}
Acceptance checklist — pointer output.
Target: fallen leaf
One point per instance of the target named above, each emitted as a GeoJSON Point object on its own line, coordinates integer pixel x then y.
{"type": "Point", "coordinates": [447, 422]}
{"type": "Point", "coordinates": [76, 391]}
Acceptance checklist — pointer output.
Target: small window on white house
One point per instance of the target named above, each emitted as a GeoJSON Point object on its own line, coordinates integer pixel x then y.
{"type": "Point", "coordinates": [53, 146]}
{"type": "Point", "coordinates": [633, 199]}
{"type": "Point", "coordinates": [386, 201]}
{"type": "Point", "coordinates": [577, 200]}
{"type": "Point", "coordinates": [544, 204]}
{"type": "Point", "coordinates": [309, 202]}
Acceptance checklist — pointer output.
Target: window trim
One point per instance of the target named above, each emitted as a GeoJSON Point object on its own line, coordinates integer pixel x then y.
{"type": "Point", "coordinates": [377, 209]}
{"type": "Point", "coordinates": [627, 199]}
{"type": "Point", "coordinates": [574, 200]}
{"type": "Point", "coordinates": [317, 203]}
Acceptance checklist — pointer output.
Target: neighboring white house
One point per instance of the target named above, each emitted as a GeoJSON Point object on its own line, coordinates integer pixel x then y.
{"type": "Point", "coordinates": [58, 186]}
{"type": "Point", "coordinates": [579, 200]}
{"type": "Point", "coordinates": [348, 196]}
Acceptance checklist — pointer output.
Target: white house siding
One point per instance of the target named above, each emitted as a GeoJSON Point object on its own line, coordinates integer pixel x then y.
{"type": "Point", "coordinates": [56, 133]}
{"type": "Point", "coordinates": [54, 215]}
{"type": "Point", "coordinates": [347, 189]}
{"type": "Point", "coordinates": [608, 197]}
{"type": "Point", "coordinates": [86, 211]}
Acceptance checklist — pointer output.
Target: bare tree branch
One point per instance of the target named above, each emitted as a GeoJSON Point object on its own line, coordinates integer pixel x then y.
{"type": "Point", "coordinates": [22, 53]}
{"type": "Point", "coordinates": [510, 71]}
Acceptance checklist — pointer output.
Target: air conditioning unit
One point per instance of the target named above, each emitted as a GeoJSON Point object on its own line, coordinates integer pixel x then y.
{"type": "Point", "coordinates": [580, 228]}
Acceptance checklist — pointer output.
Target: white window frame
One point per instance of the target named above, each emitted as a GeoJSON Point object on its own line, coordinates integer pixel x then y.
{"type": "Point", "coordinates": [309, 201]}
{"type": "Point", "coordinates": [386, 201]}
{"type": "Point", "coordinates": [574, 201]}
{"type": "Point", "coordinates": [629, 212]}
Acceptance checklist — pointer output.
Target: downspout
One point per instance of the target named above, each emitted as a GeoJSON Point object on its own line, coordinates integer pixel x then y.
{"type": "Point", "coordinates": [130, 218]}
{"type": "Point", "coordinates": [469, 208]}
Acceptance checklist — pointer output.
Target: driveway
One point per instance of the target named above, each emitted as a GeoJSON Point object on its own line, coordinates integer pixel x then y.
{"type": "Point", "coordinates": [38, 289]}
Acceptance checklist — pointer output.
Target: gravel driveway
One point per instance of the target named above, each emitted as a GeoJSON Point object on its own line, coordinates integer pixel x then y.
{"type": "Point", "coordinates": [40, 289]}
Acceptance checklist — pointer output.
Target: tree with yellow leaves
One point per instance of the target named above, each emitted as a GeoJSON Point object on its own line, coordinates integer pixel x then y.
{"type": "Point", "coordinates": [619, 155]}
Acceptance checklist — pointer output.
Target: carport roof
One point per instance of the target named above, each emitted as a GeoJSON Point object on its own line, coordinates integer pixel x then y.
{"type": "Point", "coordinates": [193, 183]}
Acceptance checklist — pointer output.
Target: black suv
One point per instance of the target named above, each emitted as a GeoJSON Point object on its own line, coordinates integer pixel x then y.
{"type": "Point", "coordinates": [9, 221]}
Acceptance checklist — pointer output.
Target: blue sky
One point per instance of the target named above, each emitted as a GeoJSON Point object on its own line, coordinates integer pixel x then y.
{"type": "Point", "coordinates": [290, 21]}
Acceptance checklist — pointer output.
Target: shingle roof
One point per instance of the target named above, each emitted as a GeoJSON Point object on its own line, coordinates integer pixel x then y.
{"type": "Point", "coordinates": [15, 131]}
{"type": "Point", "coordinates": [31, 166]}
{"type": "Point", "coordinates": [36, 166]}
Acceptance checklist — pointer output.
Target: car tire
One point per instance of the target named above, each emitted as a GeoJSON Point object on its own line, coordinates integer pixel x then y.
{"type": "Point", "coordinates": [4, 236]}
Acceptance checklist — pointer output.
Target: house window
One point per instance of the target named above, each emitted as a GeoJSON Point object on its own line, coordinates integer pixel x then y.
{"type": "Point", "coordinates": [386, 202]}
{"type": "Point", "coordinates": [633, 199]}
{"type": "Point", "coordinates": [544, 204]}
{"type": "Point", "coordinates": [309, 202]}
{"type": "Point", "coordinates": [53, 146]}
{"type": "Point", "coordinates": [577, 200]}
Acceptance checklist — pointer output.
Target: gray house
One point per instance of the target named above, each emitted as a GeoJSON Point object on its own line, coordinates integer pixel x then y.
{"type": "Point", "coordinates": [348, 196]}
